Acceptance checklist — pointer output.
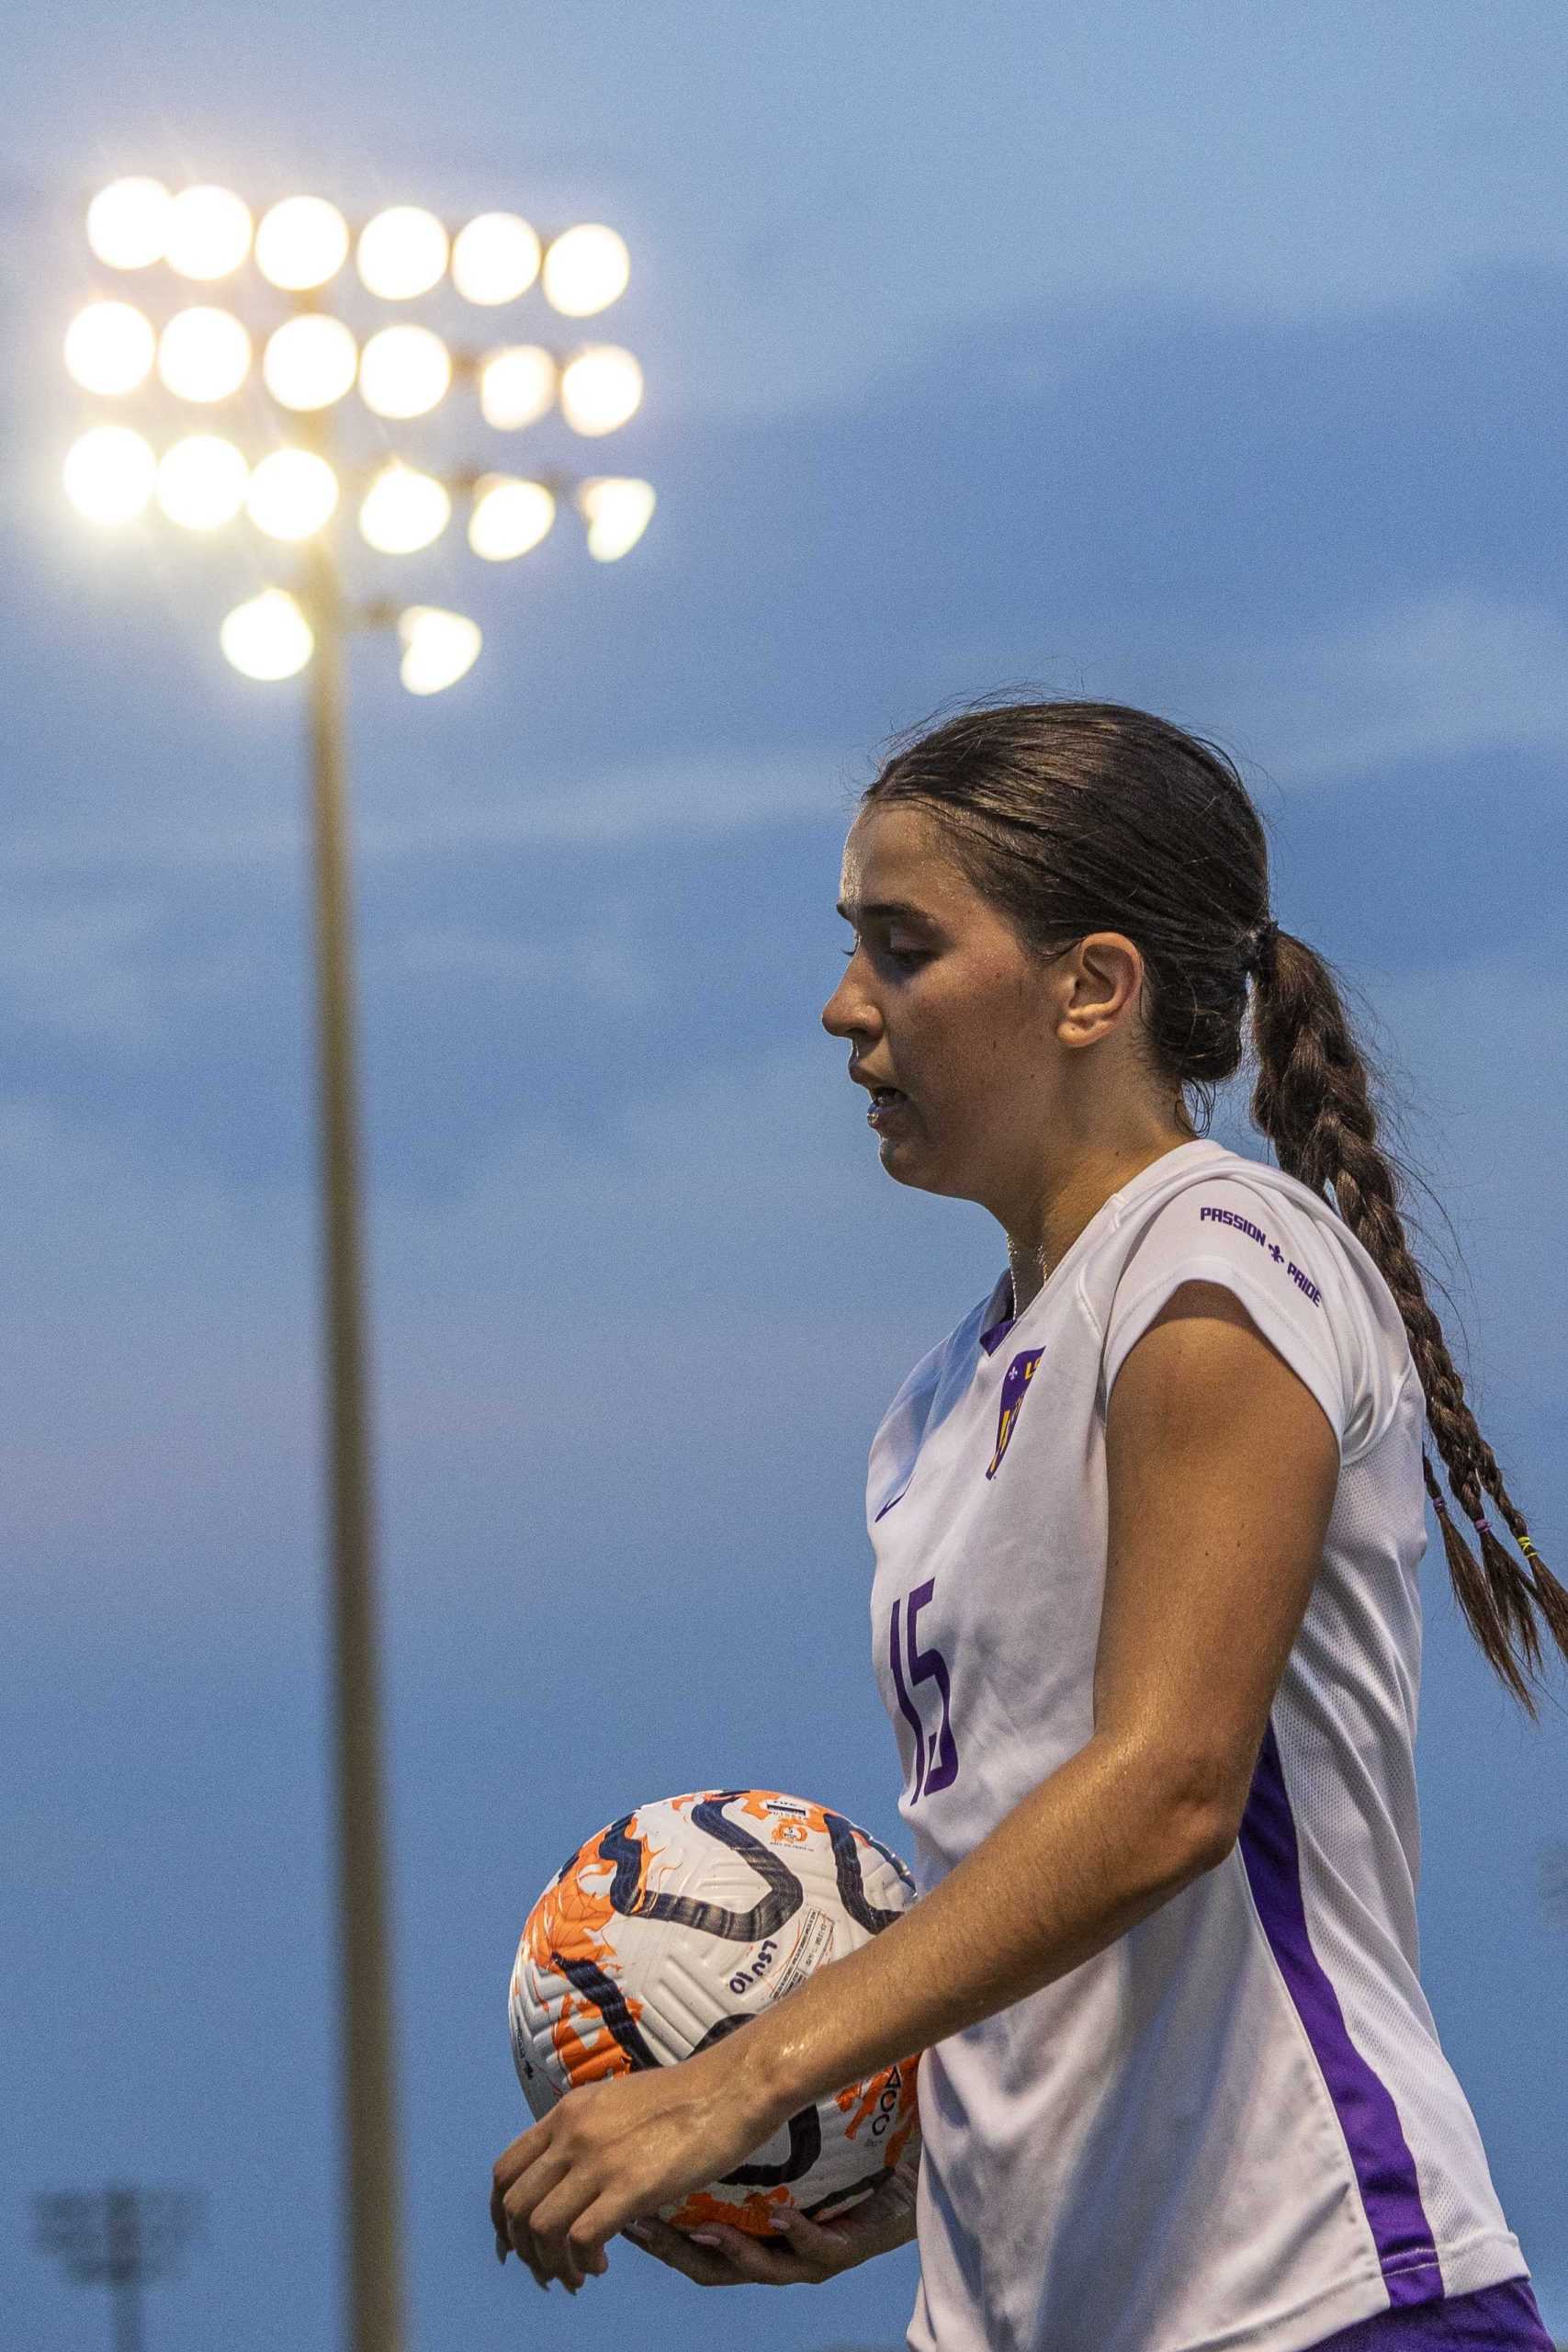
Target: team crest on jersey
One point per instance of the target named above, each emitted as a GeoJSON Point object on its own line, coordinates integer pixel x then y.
{"type": "Point", "coordinates": [1020, 1372]}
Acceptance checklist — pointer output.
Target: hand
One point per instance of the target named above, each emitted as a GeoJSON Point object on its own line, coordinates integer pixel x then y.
{"type": "Point", "coordinates": [612, 2150]}
{"type": "Point", "coordinates": [804, 2253]}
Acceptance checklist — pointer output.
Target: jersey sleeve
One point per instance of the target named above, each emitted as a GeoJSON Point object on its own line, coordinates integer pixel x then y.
{"type": "Point", "coordinates": [1273, 1258]}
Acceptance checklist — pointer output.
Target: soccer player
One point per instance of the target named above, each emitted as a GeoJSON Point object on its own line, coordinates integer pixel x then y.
{"type": "Point", "coordinates": [1146, 1621]}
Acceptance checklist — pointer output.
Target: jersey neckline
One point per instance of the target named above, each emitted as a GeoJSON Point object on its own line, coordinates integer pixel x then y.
{"type": "Point", "coordinates": [994, 1324]}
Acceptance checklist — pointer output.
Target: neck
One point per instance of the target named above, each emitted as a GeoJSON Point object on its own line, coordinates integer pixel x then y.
{"type": "Point", "coordinates": [1037, 1244]}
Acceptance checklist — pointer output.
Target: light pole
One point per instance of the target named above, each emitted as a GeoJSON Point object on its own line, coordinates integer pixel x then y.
{"type": "Point", "coordinates": [119, 2238]}
{"type": "Point", "coordinates": [291, 492]}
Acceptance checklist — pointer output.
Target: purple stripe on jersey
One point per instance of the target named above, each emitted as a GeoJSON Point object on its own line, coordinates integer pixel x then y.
{"type": "Point", "coordinates": [1495, 2319]}
{"type": "Point", "coordinates": [1385, 2169]}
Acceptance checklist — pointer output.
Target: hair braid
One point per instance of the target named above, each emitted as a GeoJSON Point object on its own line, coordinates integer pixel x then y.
{"type": "Point", "coordinates": [1313, 1100]}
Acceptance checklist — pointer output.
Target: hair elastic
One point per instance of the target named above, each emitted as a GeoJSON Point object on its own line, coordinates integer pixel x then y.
{"type": "Point", "coordinates": [1260, 945]}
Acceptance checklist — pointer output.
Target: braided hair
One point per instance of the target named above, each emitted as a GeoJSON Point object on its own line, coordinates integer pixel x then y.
{"type": "Point", "coordinates": [1075, 817]}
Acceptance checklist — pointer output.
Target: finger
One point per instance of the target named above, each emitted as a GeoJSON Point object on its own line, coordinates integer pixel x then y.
{"type": "Point", "coordinates": [808, 2236]}
{"type": "Point", "coordinates": [704, 2266]}
{"type": "Point", "coordinates": [566, 2242]}
{"type": "Point", "coordinates": [511, 2164]}
{"type": "Point", "coordinates": [754, 2258]}
{"type": "Point", "coordinates": [518, 2208]}
{"type": "Point", "coordinates": [536, 2275]}
{"type": "Point", "coordinates": [519, 2153]}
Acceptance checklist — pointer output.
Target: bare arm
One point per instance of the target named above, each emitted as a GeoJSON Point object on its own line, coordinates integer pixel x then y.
{"type": "Point", "coordinates": [1222, 1473]}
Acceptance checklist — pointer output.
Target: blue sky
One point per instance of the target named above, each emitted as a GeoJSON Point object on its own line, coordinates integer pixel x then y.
{"type": "Point", "coordinates": [1208, 360]}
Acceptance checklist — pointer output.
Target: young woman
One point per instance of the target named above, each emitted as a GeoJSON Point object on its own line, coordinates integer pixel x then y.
{"type": "Point", "coordinates": [1147, 1622]}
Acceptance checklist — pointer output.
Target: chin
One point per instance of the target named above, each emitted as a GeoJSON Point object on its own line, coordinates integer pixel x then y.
{"type": "Point", "coordinates": [915, 1180]}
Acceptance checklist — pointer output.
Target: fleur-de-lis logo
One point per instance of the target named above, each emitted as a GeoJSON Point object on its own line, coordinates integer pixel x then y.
{"type": "Point", "coordinates": [1020, 1372]}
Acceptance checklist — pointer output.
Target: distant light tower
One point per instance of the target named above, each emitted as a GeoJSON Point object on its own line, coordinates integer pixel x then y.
{"type": "Point", "coordinates": [119, 2238]}
{"type": "Point", "coordinates": [289, 483]}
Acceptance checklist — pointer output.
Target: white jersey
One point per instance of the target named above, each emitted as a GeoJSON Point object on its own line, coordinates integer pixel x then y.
{"type": "Point", "coordinates": [1235, 2127]}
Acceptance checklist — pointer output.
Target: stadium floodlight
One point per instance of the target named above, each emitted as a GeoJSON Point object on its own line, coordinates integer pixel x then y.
{"type": "Point", "coordinates": [495, 258]}
{"type": "Point", "coordinates": [618, 510]}
{"type": "Point", "coordinates": [301, 243]}
{"type": "Point", "coordinates": [509, 517]}
{"type": "Point", "coordinates": [404, 510]}
{"type": "Point", "coordinates": [291, 495]}
{"type": "Point", "coordinates": [401, 253]}
{"type": "Point", "coordinates": [309, 362]}
{"type": "Point", "coordinates": [202, 481]}
{"type": "Point", "coordinates": [518, 385]}
{"type": "Point", "coordinates": [109, 348]}
{"type": "Point", "coordinates": [268, 637]}
{"type": "Point", "coordinates": [404, 372]}
{"type": "Point", "coordinates": [207, 233]}
{"type": "Point", "coordinates": [125, 2238]}
{"type": "Point", "coordinates": [585, 269]}
{"type": "Point", "coordinates": [439, 648]}
{"type": "Point", "coordinates": [110, 473]}
{"type": "Point", "coordinates": [600, 389]}
{"type": "Point", "coordinates": [203, 353]}
{"type": "Point", "coordinates": [292, 468]}
{"type": "Point", "coordinates": [128, 223]}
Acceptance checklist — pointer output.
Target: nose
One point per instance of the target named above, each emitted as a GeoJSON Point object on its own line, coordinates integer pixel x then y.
{"type": "Point", "coordinates": [841, 1017]}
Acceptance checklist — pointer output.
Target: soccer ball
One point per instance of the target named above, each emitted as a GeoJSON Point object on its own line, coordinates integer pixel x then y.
{"type": "Point", "coordinates": [674, 1926]}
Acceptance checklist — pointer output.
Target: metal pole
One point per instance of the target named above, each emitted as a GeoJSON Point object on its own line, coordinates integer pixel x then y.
{"type": "Point", "coordinates": [123, 2235]}
{"type": "Point", "coordinates": [371, 2150]}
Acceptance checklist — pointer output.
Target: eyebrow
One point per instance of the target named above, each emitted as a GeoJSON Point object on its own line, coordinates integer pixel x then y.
{"type": "Point", "coordinates": [894, 909]}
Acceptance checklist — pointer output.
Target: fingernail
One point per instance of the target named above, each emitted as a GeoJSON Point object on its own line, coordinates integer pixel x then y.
{"type": "Point", "coordinates": [707, 2237]}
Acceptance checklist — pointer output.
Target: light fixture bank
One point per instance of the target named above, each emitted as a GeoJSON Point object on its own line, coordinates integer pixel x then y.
{"type": "Point", "coordinates": [302, 242]}
{"type": "Point", "coordinates": [273, 385]}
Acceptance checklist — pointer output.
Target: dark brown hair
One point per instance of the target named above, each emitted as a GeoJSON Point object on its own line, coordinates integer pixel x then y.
{"type": "Point", "coordinates": [1075, 817]}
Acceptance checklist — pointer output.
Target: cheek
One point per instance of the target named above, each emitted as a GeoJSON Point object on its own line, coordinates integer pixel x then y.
{"type": "Point", "coordinates": [968, 1034]}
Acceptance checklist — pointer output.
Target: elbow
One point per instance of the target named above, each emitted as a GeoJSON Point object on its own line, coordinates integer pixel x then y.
{"type": "Point", "coordinates": [1199, 1809]}
{"type": "Point", "coordinates": [1212, 1835]}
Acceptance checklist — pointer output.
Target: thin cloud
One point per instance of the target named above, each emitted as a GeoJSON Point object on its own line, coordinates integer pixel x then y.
{"type": "Point", "coordinates": [1448, 674]}
{"type": "Point", "coordinates": [1434, 678]}
{"type": "Point", "coordinates": [705, 793]}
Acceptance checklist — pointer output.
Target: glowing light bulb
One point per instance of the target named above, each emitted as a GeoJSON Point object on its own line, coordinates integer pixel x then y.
{"type": "Point", "coordinates": [309, 362]}
{"type": "Point", "coordinates": [585, 269]}
{"type": "Point", "coordinates": [109, 474]}
{"type": "Point", "coordinates": [268, 637]}
{"type": "Point", "coordinates": [403, 510]}
{"type": "Point", "coordinates": [301, 242]}
{"type": "Point", "coordinates": [509, 517]}
{"type": "Point", "coordinates": [438, 647]}
{"type": "Point", "coordinates": [109, 347]}
{"type": "Point", "coordinates": [202, 481]}
{"type": "Point", "coordinates": [207, 233]}
{"type": "Point", "coordinates": [204, 354]}
{"type": "Point", "coordinates": [128, 223]}
{"type": "Point", "coordinates": [517, 386]}
{"type": "Point", "coordinates": [291, 495]}
{"type": "Point", "coordinates": [600, 389]}
{"type": "Point", "coordinates": [403, 371]}
{"type": "Point", "coordinates": [495, 258]}
{"type": "Point", "coordinates": [401, 253]}
{"type": "Point", "coordinates": [618, 510]}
